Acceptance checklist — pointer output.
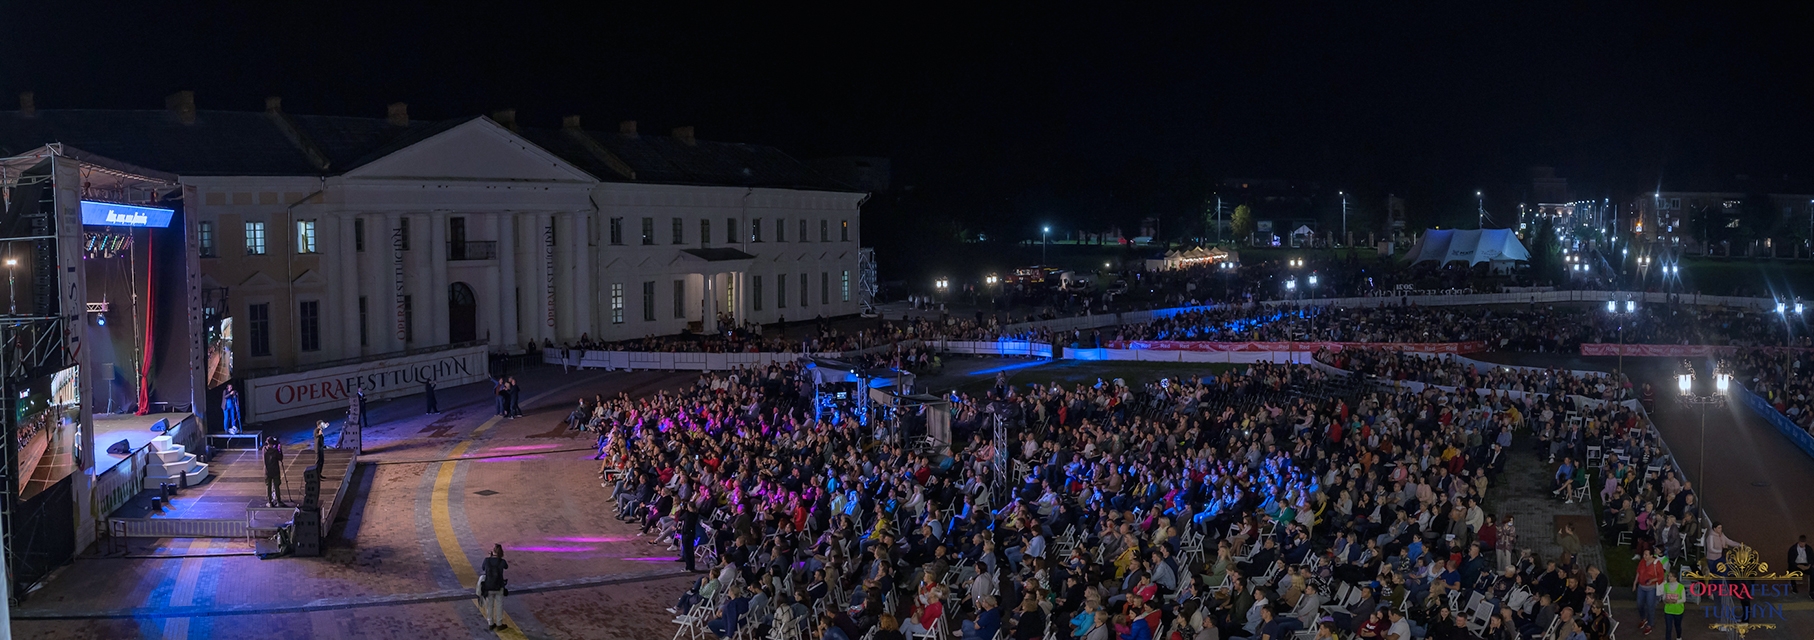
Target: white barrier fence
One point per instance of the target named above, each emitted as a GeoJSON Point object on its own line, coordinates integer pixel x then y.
{"type": "Point", "coordinates": [1198, 357]}
{"type": "Point", "coordinates": [1542, 297]}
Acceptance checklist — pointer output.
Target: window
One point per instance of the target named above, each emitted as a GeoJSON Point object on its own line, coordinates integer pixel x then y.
{"type": "Point", "coordinates": [755, 230]}
{"type": "Point", "coordinates": [705, 232]}
{"type": "Point", "coordinates": [617, 303]}
{"type": "Point", "coordinates": [409, 319]}
{"type": "Point", "coordinates": [403, 233]}
{"type": "Point", "coordinates": [730, 231]}
{"type": "Point", "coordinates": [780, 230]}
{"type": "Point", "coordinates": [617, 231]}
{"type": "Point", "coordinates": [802, 236]}
{"type": "Point", "coordinates": [648, 231]}
{"type": "Point", "coordinates": [363, 321]}
{"type": "Point", "coordinates": [824, 231]}
{"type": "Point", "coordinates": [305, 236]}
{"type": "Point", "coordinates": [680, 230]}
{"type": "Point", "coordinates": [308, 321]}
{"type": "Point", "coordinates": [844, 287]}
{"type": "Point", "coordinates": [258, 329]}
{"type": "Point", "coordinates": [680, 298]}
{"type": "Point", "coordinates": [204, 236]}
{"type": "Point", "coordinates": [756, 291]}
{"type": "Point", "coordinates": [844, 230]}
{"type": "Point", "coordinates": [781, 291]}
{"type": "Point", "coordinates": [648, 301]}
{"type": "Point", "coordinates": [255, 238]}
{"type": "Point", "coordinates": [803, 290]}
{"type": "Point", "coordinates": [824, 286]}
{"type": "Point", "coordinates": [358, 234]}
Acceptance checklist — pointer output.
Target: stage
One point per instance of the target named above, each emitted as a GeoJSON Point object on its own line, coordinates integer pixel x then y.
{"type": "Point", "coordinates": [136, 431]}
{"type": "Point", "coordinates": [232, 502]}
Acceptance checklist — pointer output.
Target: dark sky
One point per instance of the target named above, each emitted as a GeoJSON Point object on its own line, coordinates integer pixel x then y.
{"type": "Point", "coordinates": [993, 108]}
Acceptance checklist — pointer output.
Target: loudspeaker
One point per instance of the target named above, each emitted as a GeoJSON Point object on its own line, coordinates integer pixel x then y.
{"type": "Point", "coordinates": [120, 448]}
{"type": "Point", "coordinates": [311, 488]}
{"type": "Point", "coordinates": [305, 533]}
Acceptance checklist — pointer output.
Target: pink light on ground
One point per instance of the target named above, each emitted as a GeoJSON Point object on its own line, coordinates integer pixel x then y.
{"type": "Point", "coordinates": [590, 538]}
{"type": "Point", "coordinates": [567, 549]}
{"type": "Point", "coordinates": [652, 559]}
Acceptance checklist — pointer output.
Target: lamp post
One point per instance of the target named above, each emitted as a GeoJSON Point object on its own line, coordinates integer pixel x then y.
{"type": "Point", "coordinates": [1480, 204]}
{"type": "Point", "coordinates": [1291, 288]}
{"type": "Point", "coordinates": [1722, 381]}
{"type": "Point", "coordinates": [1045, 240]}
{"type": "Point", "coordinates": [1344, 196]}
{"type": "Point", "coordinates": [1613, 307]}
{"type": "Point", "coordinates": [1782, 310]}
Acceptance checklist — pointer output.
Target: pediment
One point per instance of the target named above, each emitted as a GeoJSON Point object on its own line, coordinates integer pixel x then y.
{"type": "Point", "coordinates": [310, 278]}
{"type": "Point", "coordinates": [475, 150]}
{"type": "Point", "coordinates": [258, 280]}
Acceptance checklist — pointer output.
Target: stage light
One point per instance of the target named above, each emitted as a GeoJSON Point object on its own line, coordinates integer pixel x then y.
{"type": "Point", "coordinates": [1631, 306]}
{"type": "Point", "coordinates": [1612, 307]}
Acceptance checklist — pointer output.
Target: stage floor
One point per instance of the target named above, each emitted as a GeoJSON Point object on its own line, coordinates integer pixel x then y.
{"type": "Point", "coordinates": [135, 430]}
{"type": "Point", "coordinates": [237, 483]}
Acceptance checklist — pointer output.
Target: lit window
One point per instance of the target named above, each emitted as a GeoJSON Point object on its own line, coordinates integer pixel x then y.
{"type": "Point", "coordinates": [305, 236]}
{"type": "Point", "coordinates": [617, 303]}
{"type": "Point", "coordinates": [204, 236]}
{"type": "Point", "coordinates": [844, 287]}
{"type": "Point", "coordinates": [255, 238]}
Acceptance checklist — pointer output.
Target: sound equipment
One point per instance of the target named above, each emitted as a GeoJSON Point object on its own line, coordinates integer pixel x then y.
{"type": "Point", "coordinates": [311, 488]}
{"type": "Point", "coordinates": [305, 533]}
{"type": "Point", "coordinates": [120, 448]}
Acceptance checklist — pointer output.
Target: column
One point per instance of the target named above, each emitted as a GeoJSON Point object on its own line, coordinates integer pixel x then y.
{"type": "Point", "coordinates": [437, 316]}
{"type": "Point", "coordinates": [347, 261]}
{"type": "Point", "coordinates": [386, 300]}
{"type": "Point", "coordinates": [566, 324]}
{"type": "Point", "coordinates": [585, 296]}
{"type": "Point", "coordinates": [507, 280]}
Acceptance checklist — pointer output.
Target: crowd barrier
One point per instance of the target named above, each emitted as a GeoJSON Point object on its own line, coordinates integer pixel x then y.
{"type": "Point", "coordinates": [1788, 428]}
{"type": "Point", "coordinates": [1309, 346]}
{"type": "Point", "coordinates": [1544, 297]}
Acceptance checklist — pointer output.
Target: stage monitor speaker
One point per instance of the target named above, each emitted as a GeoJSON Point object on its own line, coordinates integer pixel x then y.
{"type": "Point", "coordinates": [311, 488]}
{"type": "Point", "coordinates": [120, 448]}
{"type": "Point", "coordinates": [305, 533]}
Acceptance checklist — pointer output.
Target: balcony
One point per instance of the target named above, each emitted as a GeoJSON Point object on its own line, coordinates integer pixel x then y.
{"type": "Point", "coordinates": [472, 250]}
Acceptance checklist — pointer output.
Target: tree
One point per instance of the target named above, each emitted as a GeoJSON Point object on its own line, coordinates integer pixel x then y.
{"type": "Point", "coordinates": [1243, 221]}
{"type": "Point", "coordinates": [1546, 254]}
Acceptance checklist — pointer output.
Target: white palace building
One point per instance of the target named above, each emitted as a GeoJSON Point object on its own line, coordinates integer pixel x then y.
{"type": "Point", "coordinates": [331, 240]}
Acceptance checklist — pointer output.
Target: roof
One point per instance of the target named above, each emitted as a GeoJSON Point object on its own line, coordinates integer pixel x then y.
{"type": "Point", "coordinates": [250, 143]}
{"type": "Point", "coordinates": [718, 254]}
{"type": "Point", "coordinates": [1470, 245]}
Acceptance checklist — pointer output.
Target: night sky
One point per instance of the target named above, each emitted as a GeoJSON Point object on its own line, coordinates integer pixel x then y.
{"type": "Point", "coordinates": [1001, 116]}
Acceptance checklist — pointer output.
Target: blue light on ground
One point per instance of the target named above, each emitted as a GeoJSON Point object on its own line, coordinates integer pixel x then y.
{"type": "Point", "coordinates": [1011, 367]}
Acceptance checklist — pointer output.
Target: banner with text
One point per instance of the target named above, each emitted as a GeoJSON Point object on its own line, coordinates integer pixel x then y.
{"type": "Point", "coordinates": [294, 394]}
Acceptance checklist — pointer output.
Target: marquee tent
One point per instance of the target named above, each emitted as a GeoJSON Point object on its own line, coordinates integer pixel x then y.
{"type": "Point", "coordinates": [1500, 247]}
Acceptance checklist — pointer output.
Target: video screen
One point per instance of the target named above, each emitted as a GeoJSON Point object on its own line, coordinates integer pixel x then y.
{"type": "Point", "coordinates": [49, 419]}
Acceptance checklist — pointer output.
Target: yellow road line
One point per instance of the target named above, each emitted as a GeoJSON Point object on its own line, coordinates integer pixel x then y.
{"type": "Point", "coordinates": [443, 521]}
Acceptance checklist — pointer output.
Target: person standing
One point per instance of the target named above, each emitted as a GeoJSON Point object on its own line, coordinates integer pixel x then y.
{"type": "Point", "coordinates": [501, 389]}
{"type": "Point", "coordinates": [1673, 599]}
{"type": "Point", "coordinates": [428, 395]}
{"type": "Point", "coordinates": [273, 456]}
{"type": "Point", "coordinates": [1650, 577]}
{"type": "Point", "coordinates": [492, 587]}
{"type": "Point", "coordinates": [689, 529]}
{"type": "Point", "coordinates": [516, 399]}
{"type": "Point", "coordinates": [229, 409]}
{"type": "Point", "coordinates": [1800, 555]}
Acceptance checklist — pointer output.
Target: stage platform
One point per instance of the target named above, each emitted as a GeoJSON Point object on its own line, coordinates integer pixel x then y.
{"type": "Point", "coordinates": [231, 503]}
{"type": "Point", "coordinates": [135, 430]}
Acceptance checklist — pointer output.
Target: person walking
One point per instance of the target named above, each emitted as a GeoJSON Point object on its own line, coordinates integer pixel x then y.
{"type": "Point", "coordinates": [1649, 578]}
{"type": "Point", "coordinates": [229, 409]}
{"type": "Point", "coordinates": [1673, 599]}
{"type": "Point", "coordinates": [492, 587]}
{"type": "Point", "coordinates": [428, 395]}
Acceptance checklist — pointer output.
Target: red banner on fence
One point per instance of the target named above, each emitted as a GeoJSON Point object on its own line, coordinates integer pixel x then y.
{"type": "Point", "coordinates": [1474, 346]}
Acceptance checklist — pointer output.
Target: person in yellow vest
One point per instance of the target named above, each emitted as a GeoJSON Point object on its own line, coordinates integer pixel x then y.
{"type": "Point", "coordinates": [1673, 598]}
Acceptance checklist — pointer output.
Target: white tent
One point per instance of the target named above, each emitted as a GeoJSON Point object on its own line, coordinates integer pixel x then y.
{"type": "Point", "coordinates": [1497, 246]}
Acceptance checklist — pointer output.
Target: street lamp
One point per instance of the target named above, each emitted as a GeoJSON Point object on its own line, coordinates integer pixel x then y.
{"type": "Point", "coordinates": [1045, 240]}
{"type": "Point", "coordinates": [1480, 201]}
{"type": "Point", "coordinates": [1722, 381]}
{"type": "Point", "coordinates": [1344, 196]}
{"type": "Point", "coordinates": [1612, 307]}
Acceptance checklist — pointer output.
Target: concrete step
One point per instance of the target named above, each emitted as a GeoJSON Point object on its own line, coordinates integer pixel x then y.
{"type": "Point", "coordinates": [172, 457]}
{"type": "Point", "coordinates": [198, 472]}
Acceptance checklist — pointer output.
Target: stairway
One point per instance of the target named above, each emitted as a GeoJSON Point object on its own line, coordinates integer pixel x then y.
{"type": "Point", "coordinates": [167, 463]}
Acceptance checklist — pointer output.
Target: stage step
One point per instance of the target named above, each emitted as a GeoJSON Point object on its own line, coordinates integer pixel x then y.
{"type": "Point", "coordinates": [170, 462]}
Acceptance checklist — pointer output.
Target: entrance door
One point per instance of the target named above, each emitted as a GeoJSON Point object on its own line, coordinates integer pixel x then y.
{"type": "Point", "coordinates": [462, 313]}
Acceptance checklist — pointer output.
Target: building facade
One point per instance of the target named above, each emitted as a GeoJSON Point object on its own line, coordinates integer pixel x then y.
{"type": "Point", "coordinates": [328, 239]}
